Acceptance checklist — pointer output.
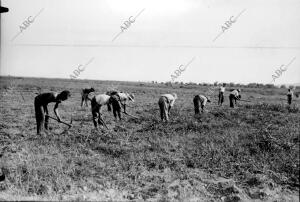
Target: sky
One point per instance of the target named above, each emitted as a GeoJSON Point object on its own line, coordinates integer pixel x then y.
{"type": "Point", "coordinates": [163, 37]}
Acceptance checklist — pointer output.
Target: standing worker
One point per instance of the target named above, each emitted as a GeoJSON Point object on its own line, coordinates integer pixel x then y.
{"type": "Point", "coordinates": [290, 95]}
{"type": "Point", "coordinates": [41, 102]}
{"type": "Point", "coordinates": [200, 100]}
{"type": "Point", "coordinates": [221, 94]}
{"type": "Point", "coordinates": [166, 102]}
{"type": "Point", "coordinates": [234, 96]}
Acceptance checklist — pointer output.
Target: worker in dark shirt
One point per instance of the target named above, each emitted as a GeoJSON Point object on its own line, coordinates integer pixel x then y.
{"type": "Point", "coordinates": [118, 101]}
{"type": "Point", "coordinates": [41, 102]}
{"type": "Point", "coordinates": [290, 96]}
{"type": "Point", "coordinates": [84, 95]}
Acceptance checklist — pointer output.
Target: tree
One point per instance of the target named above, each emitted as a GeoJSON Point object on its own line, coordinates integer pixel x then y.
{"type": "Point", "coordinates": [269, 86]}
{"type": "Point", "coordinates": [231, 84]}
{"type": "Point", "coordinates": [291, 87]}
{"type": "Point", "coordinates": [252, 85]}
{"type": "Point", "coordinates": [283, 86]}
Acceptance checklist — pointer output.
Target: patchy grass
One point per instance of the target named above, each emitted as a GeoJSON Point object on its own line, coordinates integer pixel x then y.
{"type": "Point", "coordinates": [249, 153]}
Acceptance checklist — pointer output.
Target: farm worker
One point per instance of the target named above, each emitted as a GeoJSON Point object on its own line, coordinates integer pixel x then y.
{"type": "Point", "coordinates": [112, 92]}
{"type": "Point", "coordinates": [221, 94]}
{"type": "Point", "coordinates": [119, 100]}
{"type": "Point", "coordinates": [84, 95]}
{"type": "Point", "coordinates": [290, 96]}
{"type": "Point", "coordinates": [200, 100]}
{"type": "Point", "coordinates": [166, 102]}
{"type": "Point", "coordinates": [234, 96]}
{"type": "Point", "coordinates": [96, 103]}
{"type": "Point", "coordinates": [41, 102]}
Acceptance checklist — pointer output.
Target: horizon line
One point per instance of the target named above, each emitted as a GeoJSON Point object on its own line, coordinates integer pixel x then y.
{"type": "Point", "coordinates": [137, 81]}
{"type": "Point", "coordinates": [155, 46]}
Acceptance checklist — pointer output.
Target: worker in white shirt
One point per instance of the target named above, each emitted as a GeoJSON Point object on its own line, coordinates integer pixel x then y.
{"type": "Point", "coordinates": [119, 100]}
{"type": "Point", "coordinates": [221, 94]}
{"type": "Point", "coordinates": [290, 95]}
{"type": "Point", "coordinates": [166, 102]}
{"type": "Point", "coordinates": [234, 96]}
{"type": "Point", "coordinates": [96, 103]}
{"type": "Point", "coordinates": [200, 100]}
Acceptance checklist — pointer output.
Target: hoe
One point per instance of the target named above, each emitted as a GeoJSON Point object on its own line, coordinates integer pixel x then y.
{"type": "Point", "coordinates": [68, 124]}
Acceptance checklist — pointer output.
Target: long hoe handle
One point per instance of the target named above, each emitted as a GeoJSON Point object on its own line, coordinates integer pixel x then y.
{"type": "Point", "coordinates": [130, 115]}
{"type": "Point", "coordinates": [102, 121]}
{"type": "Point", "coordinates": [60, 121]}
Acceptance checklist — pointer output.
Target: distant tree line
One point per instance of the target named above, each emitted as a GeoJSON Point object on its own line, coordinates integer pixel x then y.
{"type": "Point", "coordinates": [231, 84]}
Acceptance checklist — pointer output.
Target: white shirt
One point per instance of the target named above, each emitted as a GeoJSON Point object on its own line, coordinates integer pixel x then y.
{"type": "Point", "coordinates": [235, 93]}
{"type": "Point", "coordinates": [290, 93]}
{"type": "Point", "coordinates": [203, 100]}
{"type": "Point", "coordinates": [124, 97]}
{"type": "Point", "coordinates": [170, 98]}
{"type": "Point", "coordinates": [102, 99]}
{"type": "Point", "coordinates": [222, 89]}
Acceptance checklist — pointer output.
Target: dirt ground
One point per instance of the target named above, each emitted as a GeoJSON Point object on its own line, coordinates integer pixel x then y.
{"type": "Point", "coordinates": [249, 153]}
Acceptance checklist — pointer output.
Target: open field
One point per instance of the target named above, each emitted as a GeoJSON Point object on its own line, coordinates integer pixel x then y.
{"type": "Point", "coordinates": [250, 153]}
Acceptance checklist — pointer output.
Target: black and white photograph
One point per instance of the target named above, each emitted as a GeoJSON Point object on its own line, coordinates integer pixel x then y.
{"type": "Point", "coordinates": [150, 100]}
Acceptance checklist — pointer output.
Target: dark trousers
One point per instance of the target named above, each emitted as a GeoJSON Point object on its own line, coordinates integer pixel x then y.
{"type": "Point", "coordinates": [232, 99]}
{"type": "Point", "coordinates": [84, 100]}
{"type": "Point", "coordinates": [95, 112]}
{"type": "Point", "coordinates": [108, 107]}
{"type": "Point", "coordinates": [196, 104]}
{"type": "Point", "coordinates": [116, 106]}
{"type": "Point", "coordinates": [289, 99]}
{"type": "Point", "coordinates": [163, 108]}
{"type": "Point", "coordinates": [41, 119]}
{"type": "Point", "coordinates": [221, 98]}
